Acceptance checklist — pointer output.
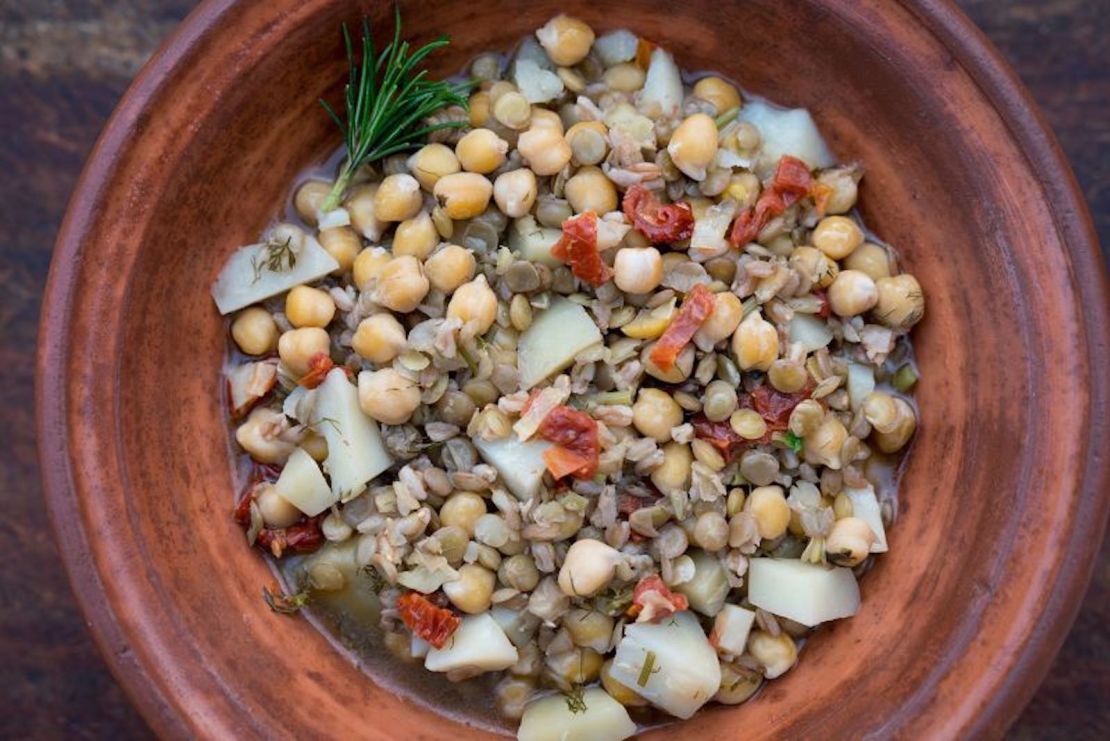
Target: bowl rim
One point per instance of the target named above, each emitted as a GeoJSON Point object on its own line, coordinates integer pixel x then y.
{"type": "Point", "coordinates": [970, 49]}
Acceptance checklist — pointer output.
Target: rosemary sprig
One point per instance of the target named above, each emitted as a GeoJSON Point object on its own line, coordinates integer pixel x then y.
{"type": "Point", "coordinates": [387, 100]}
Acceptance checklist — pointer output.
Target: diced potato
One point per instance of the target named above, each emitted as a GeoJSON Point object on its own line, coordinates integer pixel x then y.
{"type": "Point", "coordinates": [520, 464]}
{"type": "Point", "coordinates": [663, 85]}
{"type": "Point", "coordinates": [356, 453]}
{"type": "Point", "coordinates": [811, 332]}
{"type": "Point", "coordinates": [861, 382]}
{"type": "Point", "coordinates": [478, 645]}
{"type": "Point", "coordinates": [708, 589]}
{"type": "Point", "coordinates": [534, 242]}
{"type": "Point", "coordinates": [300, 404]}
{"type": "Point", "coordinates": [865, 506]}
{"type": "Point", "coordinates": [555, 337]}
{"type": "Point", "coordinates": [551, 719]}
{"type": "Point", "coordinates": [803, 592]}
{"type": "Point", "coordinates": [237, 287]}
{"type": "Point", "coordinates": [302, 485]}
{"type": "Point", "coordinates": [419, 647]}
{"type": "Point", "coordinates": [731, 628]}
{"type": "Point", "coordinates": [684, 672]}
{"type": "Point", "coordinates": [786, 131]}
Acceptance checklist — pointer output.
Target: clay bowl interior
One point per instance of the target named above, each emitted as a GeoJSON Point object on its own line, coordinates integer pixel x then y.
{"type": "Point", "coordinates": [1002, 502]}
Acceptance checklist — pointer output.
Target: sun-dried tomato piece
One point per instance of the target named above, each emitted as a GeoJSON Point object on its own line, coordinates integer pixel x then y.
{"type": "Point", "coordinates": [697, 307]}
{"type": "Point", "coordinates": [242, 511]}
{"type": "Point", "coordinates": [304, 537]}
{"type": "Point", "coordinates": [575, 436]}
{"type": "Point", "coordinates": [578, 248]}
{"type": "Point", "coordinates": [775, 406]}
{"type": "Point", "coordinates": [434, 624]}
{"type": "Point", "coordinates": [721, 436]}
{"type": "Point", "coordinates": [823, 297]}
{"type": "Point", "coordinates": [652, 601]}
{"type": "Point", "coordinates": [661, 223]}
{"type": "Point", "coordinates": [318, 367]}
{"type": "Point", "coordinates": [629, 503]}
{"type": "Point", "coordinates": [790, 184]}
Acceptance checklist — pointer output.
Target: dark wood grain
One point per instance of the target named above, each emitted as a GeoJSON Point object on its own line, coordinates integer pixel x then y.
{"type": "Point", "coordinates": [62, 68]}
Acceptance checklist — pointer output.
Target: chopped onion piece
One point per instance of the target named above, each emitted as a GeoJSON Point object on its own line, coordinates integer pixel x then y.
{"type": "Point", "coordinates": [811, 332]}
{"type": "Point", "coordinates": [333, 219]}
{"type": "Point", "coordinates": [865, 506]}
{"type": "Point", "coordinates": [617, 46]}
{"type": "Point", "coordinates": [249, 382]}
{"type": "Point", "coordinates": [536, 84]}
{"type": "Point", "coordinates": [663, 85]}
{"type": "Point", "coordinates": [861, 382]}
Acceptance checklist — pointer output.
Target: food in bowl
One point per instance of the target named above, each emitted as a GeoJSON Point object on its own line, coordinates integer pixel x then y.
{"type": "Point", "coordinates": [578, 381]}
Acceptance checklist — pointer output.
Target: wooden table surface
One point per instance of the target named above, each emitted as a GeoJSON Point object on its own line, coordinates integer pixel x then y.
{"type": "Point", "coordinates": [64, 65]}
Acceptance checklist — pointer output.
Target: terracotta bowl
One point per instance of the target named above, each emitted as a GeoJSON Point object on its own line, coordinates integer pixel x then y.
{"type": "Point", "coordinates": [1003, 503]}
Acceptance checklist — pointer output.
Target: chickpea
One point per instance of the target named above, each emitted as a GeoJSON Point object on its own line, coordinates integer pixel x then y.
{"type": "Point", "coordinates": [254, 331]}
{"type": "Point", "coordinates": [463, 195]}
{"type": "Point", "coordinates": [343, 244]}
{"type": "Point", "coordinates": [844, 190]}
{"type": "Point", "coordinates": [416, 236]}
{"type": "Point", "coordinates": [379, 338]}
{"type": "Point", "coordinates": [462, 509]}
{"type": "Point", "coordinates": [719, 401]}
{"type": "Point", "coordinates": [401, 284]}
{"type": "Point", "coordinates": [777, 654]}
{"type": "Point", "coordinates": [655, 413]}
{"type": "Point", "coordinates": [481, 150]}
{"type": "Point", "coordinates": [297, 346]}
{"type": "Point", "coordinates": [474, 304]}
{"type": "Point", "coordinates": [626, 77]}
{"type": "Point", "coordinates": [544, 149]}
{"type": "Point", "coordinates": [767, 505]}
{"type": "Point", "coordinates": [263, 436]}
{"type": "Point", "coordinates": [869, 258]}
{"type": "Point", "coordinates": [364, 215]}
{"type": "Point", "coordinates": [619, 692]}
{"type": "Point", "coordinates": [787, 376]}
{"type": "Point", "coordinates": [431, 162]}
{"type": "Point", "coordinates": [901, 302]}
{"type": "Point", "coordinates": [589, 142]}
{"type": "Point", "coordinates": [309, 307]}
{"type": "Point", "coordinates": [588, 568]}
{"type": "Point", "coordinates": [387, 396]}
{"type": "Point", "coordinates": [276, 511]}
{"type": "Point", "coordinates": [837, 236]}
{"type": "Point", "coordinates": [590, 190]}
{"type": "Point", "coordinates": [513, 693]}
{"type": "Point", "coordinates": [711, 531]}
{"type": "Point", "coordinates": [368, 266]}
{"type": "Point", "coordinates": [472, 591]}
{"type": "Point", "coordinates": [575, 667]}
{"type": "Point", "coordinates": [822, 446]}
{"type": "Point", "coordinates": [515, 192]}
{"type": "Point", "coordinates": [727, 312]}
{"type": "Point", "coordinates": [678, 373]}
{"type": "Point", "coordinates": [755, 343]}
{"type": "Point", "coordinates": [748, 424]}
{"type": "Point", "coordinates": [693, 145]}
{"type": "Point", "coordinates": [849, 542]}
{"type": "Point", "coordinates": [398, 198]}
{"type": "Point", "coordinates": [479, 108]}
{"type": "Point", "coordinates": [450, 268]}
{"type": "Point", "coordinates": [814, 266]}
{"type": "Point", "coordinates": [589, 629]}
{"type": "Point", "coordinates": [566, 40]}
{"type": "Point", "coordinates": [852, 293]}
{"type": "Point", "coordinates": [519, 572]}
{"type": "Point", "coordinates": [309, 198]}
{"type": "Point", "coordinates": [512, 110]}
{"type": "Point", "coordinates": [896, 439]}
{"type": "Point", "coordinates": [542, 117]}
{"type": "Point", "coordinates": [723, 95]}
{"type": "Point", "coordinates": [673, 474]}
{"type": "Point", "coordinates": [638, 269]}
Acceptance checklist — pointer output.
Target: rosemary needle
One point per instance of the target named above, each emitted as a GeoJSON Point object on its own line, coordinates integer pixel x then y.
{"type": "Point", "coordinates": [387, 101]}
